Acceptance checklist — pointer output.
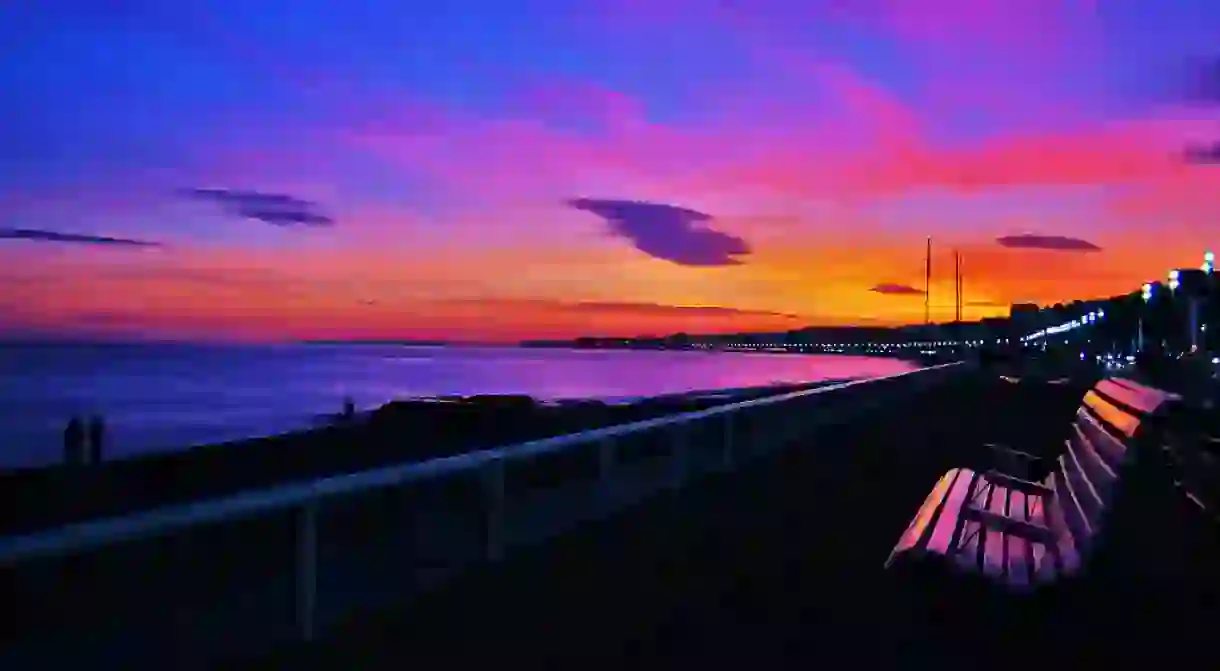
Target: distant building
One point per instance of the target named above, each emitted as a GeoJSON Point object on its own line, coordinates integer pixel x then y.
{"type": "Point", "coordinates": [1192, 280]}
{"type": "Point", "coordinates": [1024, 318]}
{"type": "Point", "coordinates": [1023, 310]}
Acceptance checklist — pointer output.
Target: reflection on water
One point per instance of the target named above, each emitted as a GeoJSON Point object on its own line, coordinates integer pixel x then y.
{"type": "Point", "coordinates": [158, 396]}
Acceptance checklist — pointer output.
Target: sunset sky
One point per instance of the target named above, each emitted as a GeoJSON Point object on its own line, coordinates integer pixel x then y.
{"type": "Point", "coordinates": [504, 169]}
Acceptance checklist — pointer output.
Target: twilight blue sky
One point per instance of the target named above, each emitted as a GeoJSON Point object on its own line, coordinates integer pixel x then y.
{"type": "Point", "coordinates": [517, 168]}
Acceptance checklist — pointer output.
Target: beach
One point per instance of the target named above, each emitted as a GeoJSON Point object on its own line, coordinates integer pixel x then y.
{"type": "Point", "coordinates": [164, 397]}
{"type": "Point", "coordinates": [442, 519]}
{"type": "Point", "coordinates": [397, 432]}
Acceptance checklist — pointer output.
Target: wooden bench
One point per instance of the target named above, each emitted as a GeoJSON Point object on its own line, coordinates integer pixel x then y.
{"type": "Point", "coordinates": [1019, 533]}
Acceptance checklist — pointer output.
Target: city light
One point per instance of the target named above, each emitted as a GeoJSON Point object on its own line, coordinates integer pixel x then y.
{"type": "Point", "coordinates": [1065, 326]}
{"type": "Point", "coordinates": [1209, 262]}
{"type": "Point", "coordinates": [1174, 280]}
{"type": "Point", "coordinates": [1147, 292]}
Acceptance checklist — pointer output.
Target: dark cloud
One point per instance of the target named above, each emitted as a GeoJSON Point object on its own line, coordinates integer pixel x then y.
{"type": "Point", "coordinates": [896, 290]}
{"type": "Point", "coordinates": [662, 309]}
{"type": "Point", "coordinates": [1057, 243]}
{"type": "Point", "coordinates": [1204, 155]}
{"type": "Point", "coordinates": [619, 307]}
{"type": "Point", "coordinates": [272, 208]}
{"type": "Point", "coordinates": [1202, 82]}
{"type": "Point", "coordinates": [106, 318]}
{"type": "Point", "coordinates": [666, 232]}
{"type": "Point", "coordinates": [75, 238]}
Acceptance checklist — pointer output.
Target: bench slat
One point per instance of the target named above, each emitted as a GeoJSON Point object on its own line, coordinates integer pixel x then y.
{"type": "Point", "coordinates": [969, 542]}
{"type": "Point", "coordinates": [993, 539]}
{"type": "Point", "coordinates": [946, 525]}
{"type": "Point", "coordinates": [1136, 396]}
{"type": "Point", "coordinates": [1101, 475]}
{"type": "Point", "coordinates": [916, 532]}
{"type": "Point", "coordinates": [966, 553]}
{"type": "Point", "coordinates": [1116, 417]}
{"type": "Point", "coordinates": [1067, 556]}
{"type": "Point", "coordinates": [1018, 547]}
{"type": "Point", "coordinates": [1086, 495]}
{"type": "Point", "coordinates": [1042, 553]}
{"type": "Point", "coordinates": [1107, 444]}
{"type": "Point", "coordinates": [1066, 502]}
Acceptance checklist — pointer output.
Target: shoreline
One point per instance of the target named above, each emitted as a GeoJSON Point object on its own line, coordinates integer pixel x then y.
{"type": "Point", "coordinates": [401, 431]}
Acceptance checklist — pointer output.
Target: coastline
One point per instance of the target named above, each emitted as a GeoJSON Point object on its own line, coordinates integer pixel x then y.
{"type": "Point", "coordinates": [400, 431]}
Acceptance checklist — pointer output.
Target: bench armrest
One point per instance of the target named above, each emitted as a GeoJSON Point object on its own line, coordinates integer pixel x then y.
{"type": "Point", "coordinates": [1023, 486]}
{"type": "Point", "coordinates": [1013, 462]}
{"type": "Point", "coordinates": [1007, 525]}
{"type": "Point", "coordinates": [1005, 450]}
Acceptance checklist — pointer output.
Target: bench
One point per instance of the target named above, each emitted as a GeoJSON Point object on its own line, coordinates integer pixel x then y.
{"type": "Point", "coordinates": [1018, 533]}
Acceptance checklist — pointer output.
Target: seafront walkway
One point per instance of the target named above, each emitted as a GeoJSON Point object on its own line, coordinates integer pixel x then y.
{"type": "Point", "coordinates": [283, 563]}
{"type": "Point", "coordinates": [755, 531]}
{"type": "Point", "coordinates": [780, 564]}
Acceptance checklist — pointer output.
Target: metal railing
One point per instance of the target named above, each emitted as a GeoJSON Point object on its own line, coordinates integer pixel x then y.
{"type": "Point", "coordinates": [304, 499]}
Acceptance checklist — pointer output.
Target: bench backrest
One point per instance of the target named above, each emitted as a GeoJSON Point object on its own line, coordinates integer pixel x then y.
{"type": "Point", "coordinates": [1114, 419]}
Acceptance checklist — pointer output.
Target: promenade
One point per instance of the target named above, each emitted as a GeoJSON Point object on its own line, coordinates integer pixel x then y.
{"type": "Point", "coordinates": [782, 563]}
{"type": "Point", "coordinates": [779, 559]}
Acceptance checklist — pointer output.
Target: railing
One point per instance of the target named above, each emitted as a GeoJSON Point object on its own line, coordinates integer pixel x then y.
{"type": "Point", "coordinates": [305, 499]}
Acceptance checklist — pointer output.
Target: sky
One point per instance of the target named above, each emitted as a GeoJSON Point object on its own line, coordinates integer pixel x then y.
{"type": "Point", "coordinates": [492, 170]}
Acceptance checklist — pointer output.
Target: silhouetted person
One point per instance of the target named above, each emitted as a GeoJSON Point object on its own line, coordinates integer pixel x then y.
{"type": "Point", "coordinates": [97, 439]}
{"type": "Point", "coordinates": [349, 409]}
{"type": "Point", "coordinates": [74, 442]}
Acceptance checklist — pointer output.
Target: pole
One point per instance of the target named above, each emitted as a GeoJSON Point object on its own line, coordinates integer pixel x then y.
{"type": "Point", "coordinates": [1192, 307]}
{"type": "Point", "coordinates": [927, 284]}
{"type": "Point", "coordinates": [1140, 335]}
{"type": "Point", "coordinates": [957, 282]}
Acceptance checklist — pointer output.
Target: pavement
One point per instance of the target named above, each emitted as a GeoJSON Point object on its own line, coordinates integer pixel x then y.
{"type": "Point", "coordinates": [780, 564]}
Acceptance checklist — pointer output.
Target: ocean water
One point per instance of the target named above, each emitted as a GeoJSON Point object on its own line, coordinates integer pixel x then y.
{"type": "Point", "coordinates": [162, 397]}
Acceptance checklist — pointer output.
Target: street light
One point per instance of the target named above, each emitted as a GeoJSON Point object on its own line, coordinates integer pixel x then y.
{"type": "Point", "coordinates": [1192, 303]}
{"type": "Point", "coordinates": [1209, 262]}
{"type": "Point", "coordinates": [1147, 296]}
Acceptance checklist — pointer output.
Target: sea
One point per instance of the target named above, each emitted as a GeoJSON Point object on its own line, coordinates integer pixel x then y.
{"type": "Point", "coordinates": [172, 396]}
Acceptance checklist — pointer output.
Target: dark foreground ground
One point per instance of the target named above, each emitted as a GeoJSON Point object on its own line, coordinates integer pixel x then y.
{"type": "Point", "coordinates": [402, 431]}
{"type": "Point", "coordinates": [782, 565]}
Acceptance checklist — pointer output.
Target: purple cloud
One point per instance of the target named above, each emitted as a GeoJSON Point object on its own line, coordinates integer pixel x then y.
{"type": "Point", "coordinates": [891, 289]}
{"type": "Point", "coordinates": [662, 309]}
{"type": "Point", "coordinates": [1057, 243]}
{"type": "Point", "coordinates": [1204, 155]}
{"type": "Point", "coordinates": [667, 232]}
{"type": "Point", "coordinates": [1203, 83]}
{"type": "Point", "coordinates": [74, 238]}
{"type": "Point", "coordinates": [272, 208]}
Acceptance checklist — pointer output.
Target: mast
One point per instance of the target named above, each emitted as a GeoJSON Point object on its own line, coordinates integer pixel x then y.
{"type": "Point", "coordinates": [957, 286]}
{"type": "Point", "coordinates": [927, 284]}
{"type": "Point", "coordinates": [961, 290]}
